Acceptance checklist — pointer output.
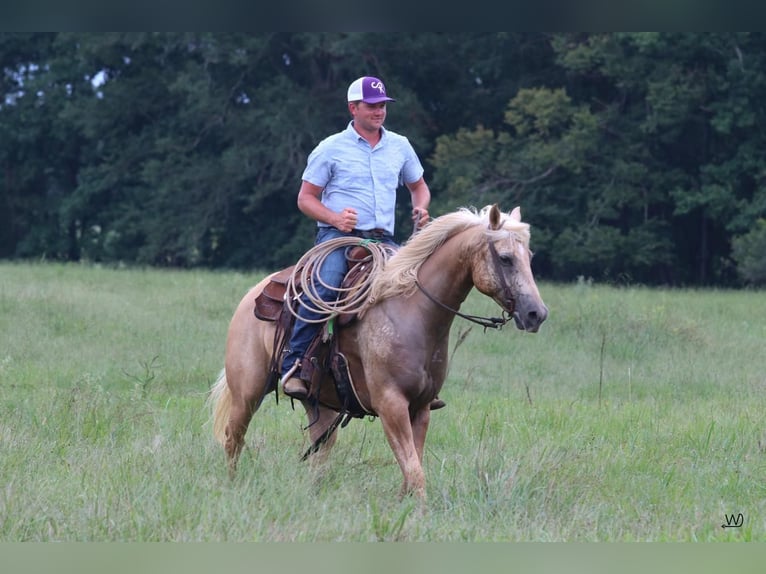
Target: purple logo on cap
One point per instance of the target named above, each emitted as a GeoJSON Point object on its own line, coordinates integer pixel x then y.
{"type": "Point", "coordinates": [369, 90]}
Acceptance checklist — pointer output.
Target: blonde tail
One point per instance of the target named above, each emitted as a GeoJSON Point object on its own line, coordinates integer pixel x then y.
{"type": "Point", "coordinates": [220, 403]}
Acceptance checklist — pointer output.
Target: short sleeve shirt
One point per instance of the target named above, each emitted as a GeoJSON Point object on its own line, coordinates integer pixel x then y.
{"type": "Point", "coordinates": [353, 174]}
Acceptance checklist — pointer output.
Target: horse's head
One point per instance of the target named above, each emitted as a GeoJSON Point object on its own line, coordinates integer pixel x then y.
{"type": "Point", "coordinates": [502, 269]}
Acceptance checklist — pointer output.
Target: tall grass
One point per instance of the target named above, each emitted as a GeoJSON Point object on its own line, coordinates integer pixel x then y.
{"type": "Point", "coordinates": [634, 414]}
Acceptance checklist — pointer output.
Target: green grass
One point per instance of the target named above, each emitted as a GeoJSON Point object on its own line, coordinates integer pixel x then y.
{"type": "Point", "coordinates": [635, 414]}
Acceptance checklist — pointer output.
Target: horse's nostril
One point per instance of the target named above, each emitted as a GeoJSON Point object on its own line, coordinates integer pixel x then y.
{"type": "Point", "coordinates": [536, 317]}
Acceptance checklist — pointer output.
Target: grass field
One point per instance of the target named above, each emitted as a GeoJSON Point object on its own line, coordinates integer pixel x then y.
{"type": "Point", "coordinates": [635, 414]}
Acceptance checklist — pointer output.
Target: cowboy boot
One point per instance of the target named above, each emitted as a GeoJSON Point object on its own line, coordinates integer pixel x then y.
{"type": "Point", "coordinates": [437, 404]}
{"type": "Point", "coordinates": [295, 388]}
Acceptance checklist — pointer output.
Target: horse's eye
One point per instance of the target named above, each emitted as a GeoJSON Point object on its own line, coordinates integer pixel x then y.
{"type": "Point", "coordinates": [506, 259]}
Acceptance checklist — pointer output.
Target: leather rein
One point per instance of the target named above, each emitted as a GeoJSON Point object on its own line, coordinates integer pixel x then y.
{"type": "Point", "coordinates": [486, 322]}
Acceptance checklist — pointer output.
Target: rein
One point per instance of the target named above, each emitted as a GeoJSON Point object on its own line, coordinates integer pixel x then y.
{"type": "Point", "coordinates": [486, 322]}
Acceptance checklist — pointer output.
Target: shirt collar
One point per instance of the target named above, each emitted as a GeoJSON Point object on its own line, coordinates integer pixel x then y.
{"type": "Point", "coordinates": [353, 133]}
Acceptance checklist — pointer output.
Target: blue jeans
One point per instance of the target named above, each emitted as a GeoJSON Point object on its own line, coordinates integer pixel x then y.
{"type": "Point", "coordinates": [332, 272]}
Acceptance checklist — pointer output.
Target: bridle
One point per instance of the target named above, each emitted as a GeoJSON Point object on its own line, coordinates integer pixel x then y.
{"type": "Point", "coordinates": [486, 322]}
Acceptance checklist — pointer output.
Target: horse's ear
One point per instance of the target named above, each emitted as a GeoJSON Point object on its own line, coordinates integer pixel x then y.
{"type": "Point", "coordinates": [516, 214]}
{"type": "Point", "coordinates": [494, 217]}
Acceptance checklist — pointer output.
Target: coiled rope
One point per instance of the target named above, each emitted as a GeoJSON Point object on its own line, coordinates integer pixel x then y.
{"type": "Point", "coordinates": [349, 299]}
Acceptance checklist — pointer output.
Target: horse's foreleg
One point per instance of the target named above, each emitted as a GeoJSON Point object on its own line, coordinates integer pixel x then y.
{"type": "Point", "coordinates": [394, 416]}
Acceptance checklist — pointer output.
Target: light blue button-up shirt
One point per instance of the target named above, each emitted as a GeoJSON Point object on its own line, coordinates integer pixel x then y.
{"type": "Point", "coordinates": [353, 174]}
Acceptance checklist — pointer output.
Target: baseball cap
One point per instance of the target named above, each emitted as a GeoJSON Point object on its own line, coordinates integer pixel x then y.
{"type": "Point", "coordinates": [368, 89]}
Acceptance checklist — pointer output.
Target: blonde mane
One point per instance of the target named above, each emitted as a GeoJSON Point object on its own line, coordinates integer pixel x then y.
{"type": "Point", "coordinates": [401, 270]}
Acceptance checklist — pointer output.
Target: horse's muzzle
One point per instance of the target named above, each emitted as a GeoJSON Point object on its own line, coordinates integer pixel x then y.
{"type": "Point", "coordinates": [529, 315]}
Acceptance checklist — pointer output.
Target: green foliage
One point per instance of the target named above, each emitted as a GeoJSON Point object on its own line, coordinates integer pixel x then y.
{"type": "Point", "coordinates": [630, 416]}
{"type": "Point", "coordinates": [628, 169]}
{"type": "Point", "coordinates": [749, 251]}
{"type": "Point", "coordinates": [186, 149]}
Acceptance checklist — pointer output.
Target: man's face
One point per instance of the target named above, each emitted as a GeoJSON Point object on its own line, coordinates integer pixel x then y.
{"type": "Point", "coordinates": [368, 116]}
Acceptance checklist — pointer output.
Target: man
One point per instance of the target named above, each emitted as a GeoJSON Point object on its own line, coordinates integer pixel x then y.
{"type": "Point", "coordinates": [349, 188]}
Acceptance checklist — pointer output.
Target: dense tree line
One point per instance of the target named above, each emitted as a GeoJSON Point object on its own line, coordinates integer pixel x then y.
{"type": "Point", "coordinates": [636, 156]}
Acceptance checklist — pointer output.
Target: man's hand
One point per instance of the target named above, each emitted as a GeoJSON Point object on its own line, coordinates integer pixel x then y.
{"type": "Point", "coordinates": [419, 217]}
{"type": "Point", "coordinates": [346, 220]}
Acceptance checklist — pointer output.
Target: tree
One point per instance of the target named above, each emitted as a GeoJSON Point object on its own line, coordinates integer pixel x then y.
{"type": "Point", "coordinates": [628, 165]}
{"type": "Point", "coordinates": [36, 152]}
{"type": "Point", "coordinates": [636, 156]}
{"type": "Point", "coordinates": [749, 251]}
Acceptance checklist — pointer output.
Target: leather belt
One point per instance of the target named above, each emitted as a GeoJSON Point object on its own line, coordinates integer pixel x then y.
{"type": "Point", "coordinates": [376, 233]}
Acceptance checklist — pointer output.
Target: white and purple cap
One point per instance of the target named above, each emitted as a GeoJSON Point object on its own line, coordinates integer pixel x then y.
{"type": "Point", "coordinates": [368, 89]}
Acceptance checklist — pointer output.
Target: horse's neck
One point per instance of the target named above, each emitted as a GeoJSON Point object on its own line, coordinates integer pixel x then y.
{"type": "Point", "coordinates": [446, 275]}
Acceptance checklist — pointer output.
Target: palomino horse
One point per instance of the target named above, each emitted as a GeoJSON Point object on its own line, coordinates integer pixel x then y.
{"type": "Point", "coordinates": [398, 349]}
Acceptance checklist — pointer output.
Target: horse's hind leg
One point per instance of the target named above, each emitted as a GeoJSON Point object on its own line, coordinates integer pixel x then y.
{"type": "Point", "coordinates": [239, 391]}
{"type": "Point", "coordinates": [247, 375]}
{"type": "Point", "coordinates": [242, 409]}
